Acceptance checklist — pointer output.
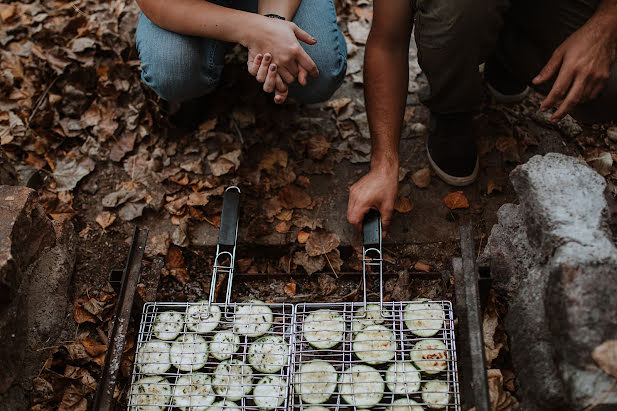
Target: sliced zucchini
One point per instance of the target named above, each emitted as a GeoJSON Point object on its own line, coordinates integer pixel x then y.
{"type": "Point", "coordinates": [253, 319]}
{"type": "Point", "coordinates": [403, 378]}
{"type": "Point", "coordinates": [224, 406]}
{"type": "Point", "coordinates": [430, 356]}
{"type": "Point", "coordinates": [316, 381]}
{"type": "Point", "coordinates": [436, 394]}
{"type": "Point", "coordinates": [203, 317]}
{"type": "Point", "coordinates": [268, 354]}
{"type": "Point", "coordinates": [405, 404]}
{"type": "Point", "coordinates": [153, 357]}
{"type": "Point", "coordinates": [193, 392]}
{"type": "Point", "coordinates": [224, 344]}
{"type": "Point", "coordinates": [189, 352]}
{"type": "Point", "coordinates": [168, 325]}
{"type": "Point", "coordinates": [373, 316]}
{"type": "Point", "coordinates": [316, 408]}
{"type": "Point", "coordinates": [269, 392]}
{"type": "Point", "coordinates": [324, 328]}
{"type": "Point", "coordinates": [150, 394]}
{"type": "Point", "coordinates": [232, 379]}
{"type": "Point", "coordinates": [423, 318]}
{"type": "Point", "coordinates": [361, 386]}
{"type": "Point", "coordinates": [375, 345]}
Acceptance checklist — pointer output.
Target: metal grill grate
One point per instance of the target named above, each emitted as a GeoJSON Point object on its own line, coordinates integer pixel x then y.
{"type": "Point", "coordinates": [197, 373]}
{"type": "Point", "coordinates": [342, 356]}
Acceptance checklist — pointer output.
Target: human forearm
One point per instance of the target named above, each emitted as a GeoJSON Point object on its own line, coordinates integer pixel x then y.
{"type": "Point", "coordinates": [202, 18]}
{"type": "Point", "coordinates": [285, 8]}
{"type": "Point", "coordinates": [386, 73]}
{"type": "Point", "coordinates": [606, 15]}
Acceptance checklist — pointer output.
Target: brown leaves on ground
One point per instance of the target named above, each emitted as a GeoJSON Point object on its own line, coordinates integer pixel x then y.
{"type": "Point", "coordinates": [94, 307]}
{"type": "Point", "coordinates": [321, 242]}
{"type": "Point", "coordinates": [317, 147]}
{"type": "Point", "coordinates": [422, 177]}
{"type": "Point", "coordinates": [310, 264]}
{"type": "Point", "coordinates": [605, 355]}
{"type": "Point", "coordinates": [105, 219]}
{"type": "Point", "coordinates": [292, 196]}
{"type": "Point", "coordinates": [422, 266]}
{"type": "Point", "coordinates": [500, 400]}
{"type": "Point", "coordinates": [174, 262]}
{"type": "Point", "coordinates": [403, 205]}
{"type": "Point", "coordinates": [272, 159]}
{"type": "Point", "coordinates": [338, 104]}
{"type": "Point", "coordinates": [456, 200]}
{"type": "Point", "coordinates": [290, 289]}
{"type": "Point", "coordinates": [303, 236]}
{"type": "Point", "coordinates": [493, 187]}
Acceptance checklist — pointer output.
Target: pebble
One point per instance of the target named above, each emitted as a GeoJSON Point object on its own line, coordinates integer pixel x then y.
{"type": "Point", "coordinates": [611, 133]}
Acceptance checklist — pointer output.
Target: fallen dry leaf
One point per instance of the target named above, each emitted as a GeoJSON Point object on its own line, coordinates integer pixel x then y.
{"type": "Point", "coordinates": [508, 147]}
{"type": "Point", "coordinates": [81, 315]}
{"type": "Point", "coordinates": [603, 163]}
{"type": "Point", "coordinates": [310, 264]}
{"type": "Point", "coordinates": [500, 400]}
{"type": "Point", "coordinates": [292, 196]}
{"type": "Point", "coordinates": [456, 200]}
{"type": "Point", "coordinates": [422, 177]}
{"type": "Point", "coordinates": [272, 159]}
{"type": "Point", "coordinates": [93, 347]}
{"type": "Point", "coordinates": [225, 163]}
{"type": "Point", "coordinates": [422, 266]}
{"type": "Point", "coordinates": [303, 236]}
{"type": "Point", "coordinates": [321, 242]}
{"type": "Point", "coordinates": [403, 205]}
{"type": "Point", "coordinates": [283, 227]}
{"type": "Point", "coordinates": [605, 355]}
{"type": "Point", "coordinates": [492, 187]}
{"type": "Point", "coordinates": [317, 147]}
{"type": "Point", "coordinates": [105, 219]}
{"type": "Point", "coordinates": [174, 262]}
{"type": "Point", "coordinates": [290, 289]}
{"type": "Point", "coordinates": [338, 103]}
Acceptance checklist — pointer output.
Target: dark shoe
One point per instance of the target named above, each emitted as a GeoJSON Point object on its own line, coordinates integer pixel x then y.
{"type": "Point", "coordinates": [504, 86]}
{"type": "Point", "coordinates": [451, 148]}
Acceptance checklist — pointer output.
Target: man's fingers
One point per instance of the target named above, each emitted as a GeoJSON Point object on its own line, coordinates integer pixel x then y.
{"type": "Point", "coordinates": [302, 74]}
{"type": "Point", "coordinates": [574, 97]}
{"type": "Point", "coordinates": [559, 90]}
{"type": "Point", "coordinates": [355, 214]}
{"type": "Point", "coordinates": [549, 69]}
{"type": "Point", "coordinates": [286, 75]}
{"type": "Point", "coordinates": [254, 65]}
{"type": "Point", "coordinates": [270, 82]}
{"type": "Point", "coordinates": [263, 68]}
{"type": "Point", "coordinates": [304, 36]}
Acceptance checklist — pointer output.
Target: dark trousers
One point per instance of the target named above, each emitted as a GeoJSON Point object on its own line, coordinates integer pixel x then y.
{"type": "Point", "coordinates": [454, 37]}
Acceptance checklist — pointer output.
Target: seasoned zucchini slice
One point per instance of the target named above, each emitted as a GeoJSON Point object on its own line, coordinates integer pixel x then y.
{"type": "Point", "coordinates": [316, 381]}
{"type": "Point", "coordinates": [224, 344]}
{"type": "Point", "coordinates": [168, 325]}
{"type": "Point", "coordinates": [253, 319]}
{"type": "Point", "coordinates": [375, 345]}
{"type": "Point", "coordinates": [436, 394]}
{"type": "Point", "coordinates": [405, 404]}
{"type": "Point", "coordinates": [153, 357]}
{"type": "Point", "coordinates": [150, 394]}
{"type": "Point", "coordinates": [268, 354]}
{"type": "Point", "coordinates": [203, 318]}
{"type": "Point", "coordinates": [430, 356]}
{"type": "Point", "coordinates": [373, 316]}
{"type": "Point", "coordinates": [424, 318]}
{"type": "Point", "coordinates": [233, 379]}
{"type": "Point", "coordinates": [269, 392]}
{"type": "Point", "coordinates": [193, 392]}
{"type": "Point", "coordinates": [189, 352]}
{"type": "Point", "coordinates": [361, 386]}
{"type": "Point", "coordinates": [324, 329]}
{"type": "Point", "coordinates": [403, 378]}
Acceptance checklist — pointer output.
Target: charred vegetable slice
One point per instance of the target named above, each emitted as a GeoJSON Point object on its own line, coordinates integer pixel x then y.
{"type": "Point", "coordinates": [424, 318]}
{"type": "Point", "coordinates": [430, 356]}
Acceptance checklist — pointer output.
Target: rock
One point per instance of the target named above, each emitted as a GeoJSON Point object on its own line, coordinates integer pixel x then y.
{"type": "Point", "coordinates": [554, 260]}
{"type": "Point", "coordinates": [8, 175]}
{"type": "Point", "coordinates": [25, 231]}
{"type": "Point", "coordinates": [611, 133]}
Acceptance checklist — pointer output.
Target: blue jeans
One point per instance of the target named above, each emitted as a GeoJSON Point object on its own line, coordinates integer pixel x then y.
{"type": "Point", "coordinates": [179, 67]}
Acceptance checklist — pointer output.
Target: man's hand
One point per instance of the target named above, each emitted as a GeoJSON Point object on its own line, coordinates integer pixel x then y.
{"type": "Point", "coordinates": [281, 39]}
{"type": "Point", "coordinates": [584, 62]}
{"type": "Point", "coordinates": [378, 190]}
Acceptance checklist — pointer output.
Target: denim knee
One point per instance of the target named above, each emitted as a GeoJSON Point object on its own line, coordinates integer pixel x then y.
{"type": "Point", "coordinates": [177, 67]}
{"type": "Point", "coordinates": [332, 68]}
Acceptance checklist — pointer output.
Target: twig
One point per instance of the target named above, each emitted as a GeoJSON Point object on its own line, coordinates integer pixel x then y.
{"type": "Point", "coordinates": [40, 100]}
{"type": "Point", "coordinates": [330, 264]}
{"type": "Point", "coordinates": [601, 400]}
{"type": "Point", "coordinates": [480, 246]}
{"type": "Point", "coordinates": [233, 121]}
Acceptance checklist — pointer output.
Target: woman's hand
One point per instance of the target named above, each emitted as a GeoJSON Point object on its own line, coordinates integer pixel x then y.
{"type": "Point", "coordinates": [281, 39]}
{"type": "Point", "coordinates": [266, 72]}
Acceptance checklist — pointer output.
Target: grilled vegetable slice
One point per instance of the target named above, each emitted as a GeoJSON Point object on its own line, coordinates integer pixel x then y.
{"type": "Point", "coordinates": [423, 318]}
{"type": "Point", "coordinates": [153, 357]}
{"type": "Point", "coordinates": [373, 316]}
{"type": "Point", "coordinates": [436, 394]}
{"type": "Point", "coordinates": [189, 352]}
{"type": "Point", "coordinates": [324, 328]}
{"type": "Point", "coordinates": [268, 354]}
{"type": "Point", "coordinates": [253, 319]}
{"type": "Point", "coordinates": [316, 381]}
{"type": "Point", "coordinates": [168, 325]}
{"type": "Point", "coordinates": [430, 356]}
{"type": "Point", "coordinates": [405, 404]}
{"type": "Point", "coordinates": [150, 394]}
{"type": "Point", "coordinates": [361, 386]}
{"type": "Point", "coordinates": [375, 345]}
{"type": "Point", "coordinates": [203, 317]}
{"type": "Point", "coordinates": [269, 392]}
{"type": "Point", "coordinates": [232, 379]}
{"type": "Point", "coordinates": [224, 406]}
{"type": "Point", "coordinates": [224, 344]}
{"type": "Point", "coordinates": [403, 378]}
{"type": "Point", "coordinates": [193, 392]}
{"type": "Point", "coordinates": [316, 408]}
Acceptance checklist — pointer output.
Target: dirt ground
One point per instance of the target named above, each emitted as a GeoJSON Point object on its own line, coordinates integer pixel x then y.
{"type": "Point", "coordinates": [114, 156]}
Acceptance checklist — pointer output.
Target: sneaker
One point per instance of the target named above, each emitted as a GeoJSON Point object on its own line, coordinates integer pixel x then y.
{"type": "Point", "coordinates": [505, 88]}
{"type": "Point", "coordinates": [451, 148]}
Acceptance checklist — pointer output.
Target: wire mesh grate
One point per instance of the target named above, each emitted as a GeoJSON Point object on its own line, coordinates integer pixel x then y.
{"type": "Point", "coordinates": [401, 356]}
{"type": "Point", "coordinates": [201, 356]}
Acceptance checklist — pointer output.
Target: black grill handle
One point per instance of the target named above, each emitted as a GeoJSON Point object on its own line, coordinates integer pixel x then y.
{"type": "Point", "coordinates": [371, 228]}
{"type": "Point", "coordinates": [229, 217]}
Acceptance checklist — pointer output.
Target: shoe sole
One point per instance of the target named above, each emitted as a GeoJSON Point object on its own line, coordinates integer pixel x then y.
{"type": "Point", "coordinates": [453, 180]}
{"type": "Point", "coordinates": [507, 98]}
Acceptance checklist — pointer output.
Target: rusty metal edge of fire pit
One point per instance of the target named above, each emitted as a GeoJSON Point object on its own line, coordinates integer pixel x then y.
{"type": "Point", "coordinates": [130, 278]}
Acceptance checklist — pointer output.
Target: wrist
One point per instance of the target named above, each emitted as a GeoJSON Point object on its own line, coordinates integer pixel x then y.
{"type": "Point", "coordinates": [606, 21]}
{"type": "Point", "coordinates": [385, 164]}
{"type": "Point", "coordinates": [252, 25]}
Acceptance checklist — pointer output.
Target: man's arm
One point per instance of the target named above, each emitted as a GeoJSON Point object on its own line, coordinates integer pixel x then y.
{"type": "Point", "coordinates": [386, 74]}
{"type": "Point", "coordinates": [583, 62]}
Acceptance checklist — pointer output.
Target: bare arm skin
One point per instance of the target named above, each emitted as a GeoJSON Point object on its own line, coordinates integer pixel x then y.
{"type": "Point", "coordinates": [582, 63]}
{"type": "Point", "coordinates": [386, 74]}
